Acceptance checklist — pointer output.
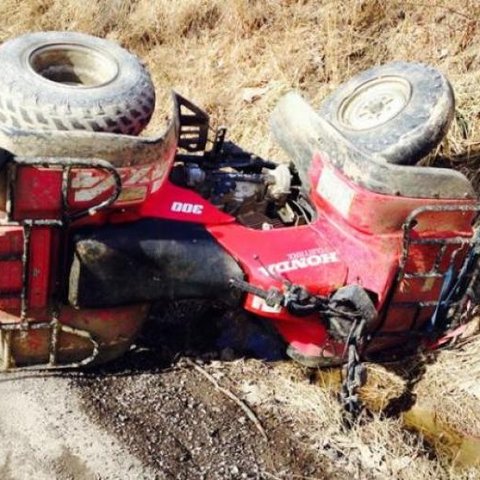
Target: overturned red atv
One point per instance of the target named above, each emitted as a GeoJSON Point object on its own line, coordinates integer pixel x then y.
{"type": "Point", "coordinates": [350, 250]}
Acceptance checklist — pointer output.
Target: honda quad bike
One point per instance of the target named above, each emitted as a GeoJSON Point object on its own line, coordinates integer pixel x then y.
{"type": "Point", "coordinates": [351, 251]}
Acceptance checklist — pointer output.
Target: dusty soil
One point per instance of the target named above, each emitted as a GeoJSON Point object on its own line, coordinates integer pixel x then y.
{"type": "Point", "coordinates": [150, 415]}
{"type": "Point", "coordinates": [172, 418]}
{"type": "Point", "coordinates": [153, 414]}
{"type": "Point", "coordinates": [165, 423]}
{"type": "Point", "coordinates": [46, 433]}
{"type": "Point", "coordinates": [181, 427]}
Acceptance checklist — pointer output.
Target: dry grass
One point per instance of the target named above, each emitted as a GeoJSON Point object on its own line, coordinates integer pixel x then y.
{"type": "Point", "coordinates": [215, 52]}
{"type": "Point", "coordinates": [377, 448]}
{"type": "Point", "coordinates": [454, 376]}
{"type": "Point", "coordinates": [450, 391]}
{"type": "Point", "coordinates": [212, 50]}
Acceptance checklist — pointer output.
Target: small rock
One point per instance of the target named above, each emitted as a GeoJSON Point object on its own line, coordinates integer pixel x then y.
{"type": "Point", "coordinates": [227, 354]}
{"type": "Point", "coordinates": [252, 94]}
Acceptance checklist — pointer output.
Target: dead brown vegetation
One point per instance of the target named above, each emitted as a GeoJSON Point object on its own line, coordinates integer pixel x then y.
{"type": "Point", "coordinates": [215, 52]}
{"type": "Point", "coordinates": [447, 398]}
{"type": "Point", "coordinates": [212, 50]}
{"type": "Point", "coordinates": [378, 447]}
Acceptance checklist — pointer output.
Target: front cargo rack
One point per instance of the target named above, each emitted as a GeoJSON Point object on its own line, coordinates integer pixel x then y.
{"type": "Point", "coordinates": [443, 270]}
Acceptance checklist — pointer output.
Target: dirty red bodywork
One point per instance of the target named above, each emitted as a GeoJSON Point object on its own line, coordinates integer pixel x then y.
{"type": "Point", "coordinates": [356, 237]}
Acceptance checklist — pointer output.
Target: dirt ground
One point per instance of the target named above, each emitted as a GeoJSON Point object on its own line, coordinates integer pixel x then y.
{"type": "Point", "coordinates": [154, 414]}
{"type": "Point", "coordinates": [137, 422]}
{"type": "Point", "coordinates": [149, 415]}
{"type": "Point", "coordinates": [180, 427]}
{"type": "Point", "coordinates": [47, 434]}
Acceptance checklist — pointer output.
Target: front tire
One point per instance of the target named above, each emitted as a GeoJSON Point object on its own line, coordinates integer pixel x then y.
{"type": "Point", "coordinates": [400, 110]}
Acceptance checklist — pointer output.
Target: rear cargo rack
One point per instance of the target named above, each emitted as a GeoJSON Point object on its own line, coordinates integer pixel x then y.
{"type": "Point", "coordinates": [53, 325]}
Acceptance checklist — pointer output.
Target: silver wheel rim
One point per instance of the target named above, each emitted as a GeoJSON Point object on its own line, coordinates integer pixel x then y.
{"type": "Point", "coordinates": [374, 103]}
{"type": "Point", "coordinates": [73, 66]}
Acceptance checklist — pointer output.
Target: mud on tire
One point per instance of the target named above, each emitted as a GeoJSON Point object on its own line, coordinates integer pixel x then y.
{"type": "Point", "coordinates": [400, 110]}
{"type": "Point", "coordinates": [73, 81]}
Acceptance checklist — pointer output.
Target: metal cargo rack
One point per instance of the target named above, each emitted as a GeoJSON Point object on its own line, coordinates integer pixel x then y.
{"type": "Point", "coordinates": [54, 326]}
{"type": "Point", "coordinates": [451, 303]}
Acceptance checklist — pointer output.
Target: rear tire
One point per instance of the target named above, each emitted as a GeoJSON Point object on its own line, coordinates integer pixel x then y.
{"type": "Point", "coordinates": [73, 81]}
{"type": "Point", "coordinates": [400, 110]}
